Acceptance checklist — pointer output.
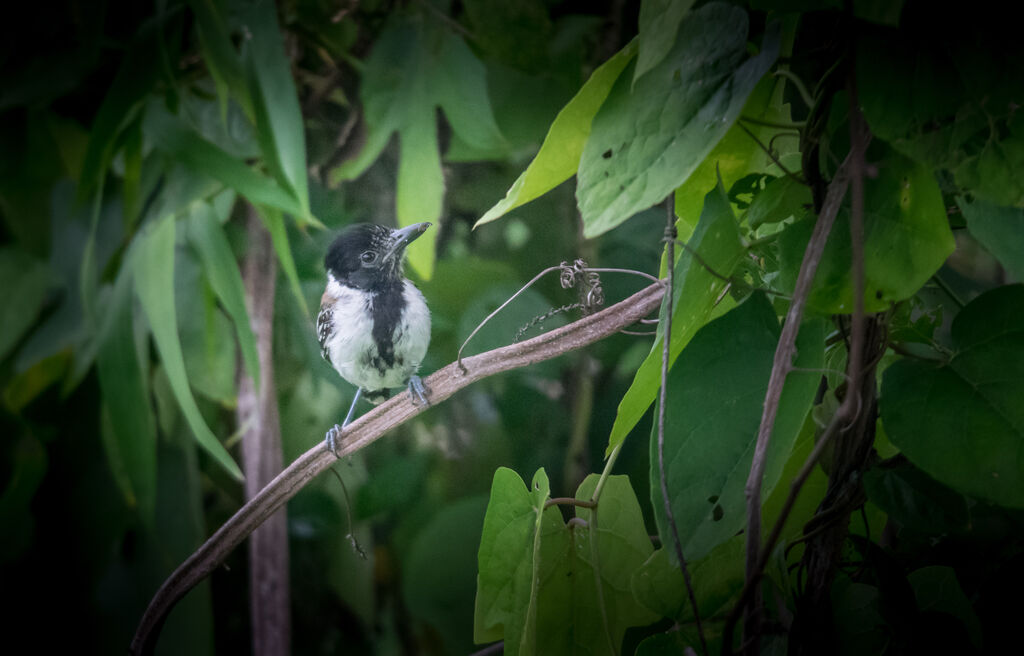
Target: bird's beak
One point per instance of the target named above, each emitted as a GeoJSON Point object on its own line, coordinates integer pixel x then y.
{"type": "Point", "coordinates": [403, 237]}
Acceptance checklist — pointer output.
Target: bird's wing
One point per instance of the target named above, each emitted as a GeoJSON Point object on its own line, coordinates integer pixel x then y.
{"type": "Point", "coordinates": [325, 325]}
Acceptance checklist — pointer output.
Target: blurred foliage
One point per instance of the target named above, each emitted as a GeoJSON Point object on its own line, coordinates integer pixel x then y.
{"type": "Point", "coordinates": [133, 136]}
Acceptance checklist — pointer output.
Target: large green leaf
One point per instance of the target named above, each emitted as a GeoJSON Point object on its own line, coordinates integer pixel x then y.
{"type": "Point", "coordinates": [220, 56]}
{"type": "Point", "coordinates": [137, 75]}
{"type": "Point", "coordinates": [274, 223]}
{"type": "Point", "coordinates": [559, 155]}
{"type": "Point", "coordinates": [551, 588]}
{"type": "Point", "coordinates": [279, 124]}
{"type": "Point", "coordinates": [738, 153]}
{"type": "Point", "coordinates": [710, 430]}
{"type": "Point", "coordinates": [153, 265]}
{"type": "Point", "coordinates": [179, 141]}
{"type": "Point", "coordinates": [417, 66]}
{"type": "Point", "coordinates": [906, 240]}
{"type": "Point", "coordinates": [916, 501]}
{"type": "Point", "coordinates": [658, 25]}
{"type": "Point", "coordinates": [1000, 230]}
{"type": "Point", "coordinates": [638, 152]}
{"type": "Point", "coordinates": [509, 555]}
{"type": "Point", "coordinates": [963, 423]}
{"type": "Point", "coordinates": [221, 270]}
{"type": "Point", "coordinates": [131, 440]}
{"type": "Point", "coordinates": [717, 241]}
{"type": "Point", "coordinates": [950, 103]}
{"type": "Point", "coordinates": [717, 577]}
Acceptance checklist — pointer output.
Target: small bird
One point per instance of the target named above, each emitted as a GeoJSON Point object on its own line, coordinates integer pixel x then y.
{"type": "Point", "coordinates": [374, 325]}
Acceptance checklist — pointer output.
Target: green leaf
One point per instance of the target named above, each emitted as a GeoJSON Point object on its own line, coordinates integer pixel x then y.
{"type": "Point", "coordinates": [153, 264]}
{"type": "Point", "coordinates": [717, 241]}
{"type": "Point", "coordinates": [274, 222]}
{"type": "Point", "coordinates": [417, 66]}
{"type": "Point", "coordinates": [1000, 230]}
{"type": "Point", "coordinates": [559, 155]}
{"type": "Point", "coordinates": [221, 270]}
{"type": "Point", "coordinates": [781, 199]}
{"type": "Point", "coordinates": [509, 556]}
{"type": "Point", "coordinates": [279, 124]}
{"type": "Point", "coordinates": [710, 431]}
{"type": "Point", "coordinates": [906, 240]}
{"type": "Point", "coordinates": [437, 585]}
{"type": "Point", "coordinates": [737, 154]}
{"type": "Point", "coordinates": [659, 23]}
{"type": "Point", "coordinates": [131, 186]}
{"type": "Point", "coordinates": [177, 140]}
{"type": "Point", "coordinates": [516, 33]}
{"type": "Point", "coordinates": [937, 590]}
{"type": "Point", "coordinates": [717, 577]}
{"type": "Point", "coordinates": [121, 104]}
{"type": "Point", "coordinates": [950, 103]}
{"type": "Point", "coordinates": [602, 560]}
{"type": "Point", "coordinates": [420, 189]}
{"type": "Point", "coordinates": [22, 295]}
{"type": "Point", "coordinates": [916, 501]}
{"type": "Point", "coordinates": [963, 423]}
{"type": "Point", "coordinates": [549, 588]}
{"type": "Point", "coordinates": [997, 172]}
{"type": "Point", "coordinates": [220, 56]}
{"type": "Point", "coordinates": [637, 152]}
{"type": "Point", "coordinates": [130, 442]}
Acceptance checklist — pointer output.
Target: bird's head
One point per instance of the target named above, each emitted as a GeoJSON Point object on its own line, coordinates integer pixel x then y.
{"type": "Point", "coordinates": [368, 256]}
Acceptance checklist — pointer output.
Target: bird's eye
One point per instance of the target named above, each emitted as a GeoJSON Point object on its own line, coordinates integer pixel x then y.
{"type": "Point", "coordinates": [368, 257]}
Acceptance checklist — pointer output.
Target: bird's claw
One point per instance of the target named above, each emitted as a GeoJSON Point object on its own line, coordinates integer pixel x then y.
{"type": "Point", "coordinates": [332, 439]}
{"type": "Point", "coordinates": [418, 391]}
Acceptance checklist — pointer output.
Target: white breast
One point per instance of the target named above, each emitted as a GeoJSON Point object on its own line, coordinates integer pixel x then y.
{"type": "Point", "coordinates": [351, 345]}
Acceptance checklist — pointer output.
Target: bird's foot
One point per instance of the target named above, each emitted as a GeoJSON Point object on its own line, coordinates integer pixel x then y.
{"type": "Point", "coordinates": [332, 439]}
{"type": "Point", "coordinates": [418, 391]}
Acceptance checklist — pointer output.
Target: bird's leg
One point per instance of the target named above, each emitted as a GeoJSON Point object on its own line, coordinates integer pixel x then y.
{"type": "Point", "coordinates": [335, 431]}
{"type": "Point", "coordinates": [418, 391]}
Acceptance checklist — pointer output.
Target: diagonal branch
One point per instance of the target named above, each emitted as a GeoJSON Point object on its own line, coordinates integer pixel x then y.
{"type": "Point", "coordinates": [369, 428]}
{"type": "Point", "coordinates": [781, 366]}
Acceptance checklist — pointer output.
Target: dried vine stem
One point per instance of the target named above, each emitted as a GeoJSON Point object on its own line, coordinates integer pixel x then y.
{"type": "Point", "coordinates": [850, 173]}
{"type": "Point", "coordinates": [369, 428]}
{"type": "Point", "coordinates": [785, 352]}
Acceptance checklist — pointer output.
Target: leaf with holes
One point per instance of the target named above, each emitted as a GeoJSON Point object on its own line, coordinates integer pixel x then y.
{"type": "Point", "coordinates": [963, 422]}
{"type": "Point", "coordinates": [638, 151]}
{"type": "Point", "coordinates": [710, 430]}
{"type": "Point", "coordinates": [559, 155]}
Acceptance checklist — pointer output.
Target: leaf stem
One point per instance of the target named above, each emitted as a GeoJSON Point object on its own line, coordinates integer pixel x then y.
{"type": "Point", "coordinates": [670, 241]}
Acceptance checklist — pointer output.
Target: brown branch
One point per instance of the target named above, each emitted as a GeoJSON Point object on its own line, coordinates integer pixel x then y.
{"type": "Point", "coordinates": [785, 352]}
{"type": "Point", "coordinates": [269, 586]}
{"type": "Point", "coordinates": [369, 428]}
{"type": "Point", "coordinates": [851, 173]}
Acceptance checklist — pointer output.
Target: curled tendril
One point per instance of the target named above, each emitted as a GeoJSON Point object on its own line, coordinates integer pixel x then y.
{"type": "Point", "coordinates": [577, 274]}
